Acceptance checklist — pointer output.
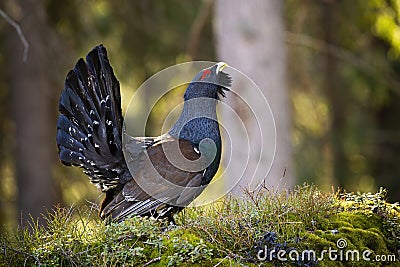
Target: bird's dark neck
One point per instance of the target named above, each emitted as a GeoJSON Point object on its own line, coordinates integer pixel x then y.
{"type": "Point", "coordinates": [197, 121]}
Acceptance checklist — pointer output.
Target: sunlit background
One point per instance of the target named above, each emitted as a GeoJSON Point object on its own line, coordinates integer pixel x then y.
{"type": "Point", "coordinates": [342, 81]}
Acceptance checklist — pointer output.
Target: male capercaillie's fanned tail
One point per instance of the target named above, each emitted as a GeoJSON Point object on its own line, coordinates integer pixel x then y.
{"type": "Point", "coordinates": [89, 131]}
{"type": "Point", "coordinates": [89, 135]}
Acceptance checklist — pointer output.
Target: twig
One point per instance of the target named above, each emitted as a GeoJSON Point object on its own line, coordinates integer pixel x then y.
{"type": "Point", "coordinates": [151, 261]}
{"type": "Point", "coordinates": [226, 257]}
{"type": "Point", "coordinates": [24, 253]}
{"type": "Point", "coordinates": [230, 254]}
{"type": "Point", "coordinates": [344, 55]}
{"type": "Point", "coordinates": [197, 27]}
{"type": "Point", "coordinates": [19, 32]}
{"type": "Point", "coordinates": [93, 205]}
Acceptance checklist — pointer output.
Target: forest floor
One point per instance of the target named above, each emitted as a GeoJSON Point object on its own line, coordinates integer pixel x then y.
{"type": "Point", "coordinates": [301, 227]}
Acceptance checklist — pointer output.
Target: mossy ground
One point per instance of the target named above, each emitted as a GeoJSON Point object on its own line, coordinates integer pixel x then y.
{"type": "Point", "coordinates": [227, 233]}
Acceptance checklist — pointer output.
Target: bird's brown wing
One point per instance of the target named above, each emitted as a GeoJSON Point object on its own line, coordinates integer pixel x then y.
{"type": "Point", "coordinates": [160, 183]}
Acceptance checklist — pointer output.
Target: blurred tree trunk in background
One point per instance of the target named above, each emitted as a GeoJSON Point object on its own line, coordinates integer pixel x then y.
{"type": "Point", "coordinates": [250, 38]}
{"type": "Point", "coordinates": [334, 93]}
{"type": "Point", "coordinates": [32, 108]}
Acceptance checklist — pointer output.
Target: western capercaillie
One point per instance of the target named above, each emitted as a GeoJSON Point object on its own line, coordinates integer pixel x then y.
{"type": "Point", "coordinates": [156, 176]}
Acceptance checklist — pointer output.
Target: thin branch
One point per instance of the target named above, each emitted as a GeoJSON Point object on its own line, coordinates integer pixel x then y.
{"type": "Point", "coordinates": [151, 261]}
{"type": "Point", "coordinates": [197, 27]}
{"type": "Point", "coordinates": [19, 32]}
{"type": "Point", "coordinates": [226, 257]}
{"type": "Point", "coordinates": [343, 54]}
{"type": "Point", "coordinates": [24, 253]}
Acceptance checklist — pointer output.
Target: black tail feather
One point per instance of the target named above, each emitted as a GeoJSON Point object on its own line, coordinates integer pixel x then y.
{"type": "Point", "coordinates": [90, 125]}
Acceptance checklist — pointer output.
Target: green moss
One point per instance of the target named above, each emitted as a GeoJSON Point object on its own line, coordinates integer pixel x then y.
{"type": "Point", "coordinates": [228, 233]}
{"type": "Point", "coordinates": [183, 248]}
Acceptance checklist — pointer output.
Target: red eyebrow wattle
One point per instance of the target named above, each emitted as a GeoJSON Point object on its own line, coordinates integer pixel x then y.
{"type": "Point", "coordinates": [205, 72]}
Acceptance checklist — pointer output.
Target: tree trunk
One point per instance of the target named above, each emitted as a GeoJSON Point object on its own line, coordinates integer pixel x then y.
{"type": "Point", "coordinates": [250, 38]}
{"type": "Point", "coordinates": [32, 109]}
{"type": "Point", "coordinates": [335, 96]}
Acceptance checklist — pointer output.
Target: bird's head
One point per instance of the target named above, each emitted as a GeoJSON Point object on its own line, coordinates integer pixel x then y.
{"type": "Point", "coordinates": [210, 83]}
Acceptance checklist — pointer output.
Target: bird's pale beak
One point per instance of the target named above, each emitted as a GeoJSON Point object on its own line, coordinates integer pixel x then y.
{"type": "Point", "coordinates": [221, 66]}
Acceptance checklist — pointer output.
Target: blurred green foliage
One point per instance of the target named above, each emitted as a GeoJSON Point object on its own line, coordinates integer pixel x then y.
{"type": "Point", "coordinates": [386, 23]}
{"type": "Point", "coordinates": [346, 126]}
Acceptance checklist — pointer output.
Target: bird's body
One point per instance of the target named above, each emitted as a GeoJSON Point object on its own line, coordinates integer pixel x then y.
{"type": "Point", "coordinates": [156, 176]}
